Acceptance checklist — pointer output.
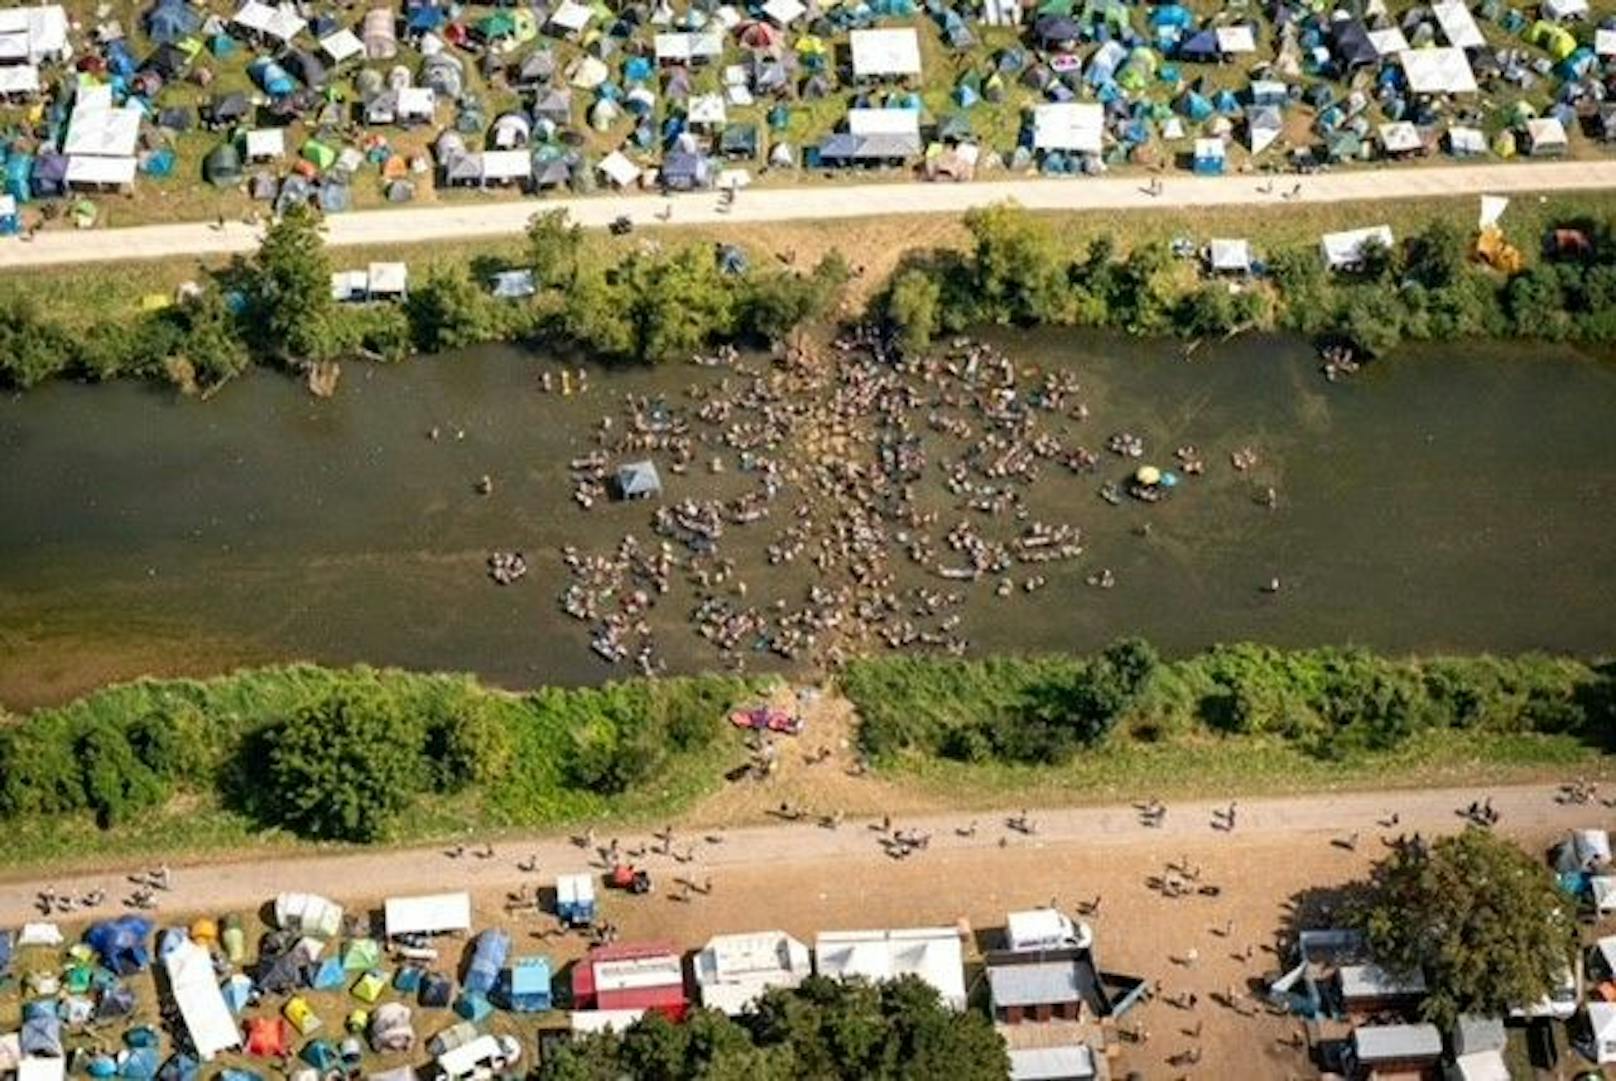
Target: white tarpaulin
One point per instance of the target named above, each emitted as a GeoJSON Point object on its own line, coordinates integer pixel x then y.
{"type": "Point", "coordinates": [886, 52]}
{"type": "Point", "coordinates": [1492, 208]}
{"type": "Point", "coordinates": [1458, 25]}
{"type": "Point", "coordinates": [1346, 248]}
{"type": "Point", "coordinates": [341, 45]}
{"type": "Point", "coordinates": [1069, 125]}
{"type": "Point", "coordinates": [109, 133]}
{"type": "Point", "coordinates": [1438, 71]}
{"type": "Point", "coordinates": [428, 915]}
{"type": "Point", "coordinates": [883, 121]}
{"type": "Point", "coordinates": [196, 991]}
{"type": "Point", "coordinates": [619, 170]}
{"type": "Point", "coordinates": [1388, 42]}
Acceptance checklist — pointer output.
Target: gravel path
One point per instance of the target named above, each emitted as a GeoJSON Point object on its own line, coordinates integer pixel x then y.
{"type": "Point", "coordinates": [491, 219]}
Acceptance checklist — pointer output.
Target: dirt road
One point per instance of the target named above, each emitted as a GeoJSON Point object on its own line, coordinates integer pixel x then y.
{"type": "Point", "coordinates": [491, 219]}
{"type": "Point", "coordinates": [365, 875]}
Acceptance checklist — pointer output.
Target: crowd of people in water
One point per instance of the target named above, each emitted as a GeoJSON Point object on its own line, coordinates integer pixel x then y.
{"type": "Point", "coordinates": [829, 459]}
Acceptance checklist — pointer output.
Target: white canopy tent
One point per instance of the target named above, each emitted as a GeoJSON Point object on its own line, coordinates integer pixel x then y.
{"type": "Point", "coordinates": [1492, 208]}
{"type": "Point", "coordinates": [892, 51]}
{"type": "Point", "coordinates": [883, 121]}
{"type": "Point", "coordinates": [41, 1069]}
{"type": "Point", "coordinates": [100, 172]}
{"type": "Point", "coordinates": [1438, 71]}
{"type": "Point", "coordinates": [931, 953]}
{"type": "Point", "coordinates": [571, 16]}
{"type": "Point", "coordinates": [784, 12]}
{"type": "Point", "coordinates": [35, 33]}
{"type": "Point", "coordinates": [734, 970]}
{"type": "Point", "coordinates": [1565, 10]}
{"type": "Point", "coordinates": [195, 988]}
{"type": "Point", "coordinates": [1070, 125]}
{"type": "Point", "coordinates": [1465, 140]}
{"type": "Point", "coordinates": [19, 79]}
{"type": "Point", "coordinates": [1545, 135]}
{"type": "Point", "coordinates": [110, 132]}
{"type": "Point", "coordinates": [1400, 137]}
{"type": "Point", "coordinates": [265, 144]}
{"type": "Point", "coordinates": [619, 169]}
{"type": "Point", "coordinates": [431, 914]}
{"type": "Point", "coordinates": [1605, 42]}
{"type": "Point", "coordinates": [505, 165]}
{"type": "Point", "coordinates": [1346, 248]}
{"type": "Point", "coordinates": [1231, 255]}
{"type": "Point", "coordinates": [1458, 25]}
{"type": "Point", "coordinates": [683, 48]}
{"type": "Point", "coordinates": [1602, 1031]}
{"type": "Point", "coordinates": [1233, 40]}
{"type": "Point", "coordinates": [1388, 42]}
{"type": "Point", "coordinates": [281, 23]}
{"type": "Point", "coordinates": [309, 914]}
{"type": "Point", "coordinates": [342, 45]}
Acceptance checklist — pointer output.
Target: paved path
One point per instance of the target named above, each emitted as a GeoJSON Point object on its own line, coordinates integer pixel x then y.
{"type": "Point", "coordinates": [1530, 813]}
{"type": "Point", "coordinates": [491, 219]}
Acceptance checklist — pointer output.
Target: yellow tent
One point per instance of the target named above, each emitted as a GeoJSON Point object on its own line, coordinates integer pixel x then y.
{"type": "Point", "coordinates": [302, 1015]}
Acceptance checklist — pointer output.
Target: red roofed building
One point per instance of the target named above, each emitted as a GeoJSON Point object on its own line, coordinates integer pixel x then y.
{"type": "Point", "coordinates": [631, 976]}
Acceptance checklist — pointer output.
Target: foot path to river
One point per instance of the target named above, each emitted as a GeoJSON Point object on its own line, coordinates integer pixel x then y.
{"type": "Point", "coordinates": [1301, 823]}
{"type": "Point", "coordinates": [504, 218]}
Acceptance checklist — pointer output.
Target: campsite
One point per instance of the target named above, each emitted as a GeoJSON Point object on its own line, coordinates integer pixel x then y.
{"type": "Point", "coordinates": [192, 110]}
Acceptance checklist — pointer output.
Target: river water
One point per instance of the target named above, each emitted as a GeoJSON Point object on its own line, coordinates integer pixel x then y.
{"type": "Point", "coordinates": [1456, 498]}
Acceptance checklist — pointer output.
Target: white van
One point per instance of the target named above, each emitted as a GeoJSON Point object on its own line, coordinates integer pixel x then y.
{"type": "Point", "coordinates": [480, 1059]}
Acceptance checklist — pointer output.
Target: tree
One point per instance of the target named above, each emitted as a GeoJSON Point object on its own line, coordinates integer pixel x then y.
{"type": "Point", "coordinates": [596, 315]}
{"type": "Point", "coordinates": [343, 767]}
{"type": "Point", "coordinates": [1436, 255]}
{"type": "Point", "coordinates": [1372, 320]}
{"type": "Point", "coordinates": [1017, 273]}
{"type": "Point", "coordinates": [913, 307]}
{"type": "Point", "coordinates": [212, 341]}
{"type": "Point", "coordinates": [553, 245]}
{"type": "Point", "coordinates": [291, 280]}
{"type": "Point", "coordinates": [32, 348]}
{"type": "Point", "coordinates": [677, 303]}
{"type": "Point", "coordinates": [1481, 919]}
{"type": "Point", "coordinates": [449, 311]}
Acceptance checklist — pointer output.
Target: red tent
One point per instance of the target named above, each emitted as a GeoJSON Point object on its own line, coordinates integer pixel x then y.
{"type": "Point", "coordinates": [631, 976]}
{"type": "Point", "coordinates": [269, 1037]}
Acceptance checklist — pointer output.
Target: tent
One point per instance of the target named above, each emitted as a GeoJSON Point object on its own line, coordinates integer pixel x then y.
{"type": "Point", "coordinates": [1263, 125]}
{"type": "Point", "coordinates": [638, 480]}
{"type": "Point", "coordinates": [222, 166]}
{"type": "Point", "coordinates": [436, 990]}
{"type": "Point", "coordinates": [1602, 1031]}
{"type": "Point", "coordinates": [361, 954]}
{"type": "Point", "coordinates": [269, 1037]}
{"type": "Point", "coordinates": [308, 914]}
{"type": "Point", "coordinates": [493, 946]}
{"type": "Point", "coordinates": [321, 1054]}
{"type": "Point", "coordinates": [1209, 155]}
{"type": "Point", "coordinates": [1438, 71]}
{"type": "Point", "coordinates": [196, 992]}
{"type": "Point", "coordinates": [171, 21]}
{"type": "Point", "coordinates": [301, 1015]}
{"type": "Point", "coordinates": [379, 35]}
{"type": "Point", "coordinates": [41, 1035]}
{"type": "Point", "coordinates": [329, 975]}
{"type": "Point", "coordinates": [238, 992]}
{"type": "Point", "coordinates": [1545, 136]}
{"type": "Point", "coordinates": [390, 1028]}
{"type": "Point", "coordinates": [370, 986]}
{"type": "Point", "coordinates": [121, 943]}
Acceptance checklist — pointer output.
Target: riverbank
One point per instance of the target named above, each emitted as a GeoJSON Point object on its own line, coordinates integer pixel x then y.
{"type": "Point", "coordinates": [1465, 301]}
{"type": "Point", "coordinates": [153, 768]}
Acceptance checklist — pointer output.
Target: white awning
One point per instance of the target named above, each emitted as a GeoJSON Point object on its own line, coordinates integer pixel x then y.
{"type": "Point", "coordinates": [893, 51]}
{"type": "Point", "coordinates": [97, 170]}
{"type": "Point", "coordinates": [1400, 136]}
{"type": "Point", "coordinates": [1346, 248]}
{"type": "Point", "coordinates": [1236, 39]}
{"type": "Point", "coordinates": [428, 915]}
{"type": "Point", "coordinates": [1458, 25]}
{"type": "Point", "coordinates": [1070, 125]}
{"type": "Point", "coordinates": [619, 170]}
{"type": "Point", "coordinates": [341, 45]}
{"type": "Point", "coordinates": [883, 121]}
{"type": "Point", "coordinates": [19, 79]}
{"type": "Point", "coordinates": [784, 12]}
{"type": "Point", "coordinates": [1438, 71]}
{"type": "Point", "coordinates": [196, 991]}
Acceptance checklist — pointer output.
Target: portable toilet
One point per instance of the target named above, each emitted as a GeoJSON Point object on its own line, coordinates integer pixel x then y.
{"type": "Point", "coordinates": [575, 899]}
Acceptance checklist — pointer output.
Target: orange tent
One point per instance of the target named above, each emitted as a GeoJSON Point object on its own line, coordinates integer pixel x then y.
{"type": "Point", "coordinates": [269, 1037]}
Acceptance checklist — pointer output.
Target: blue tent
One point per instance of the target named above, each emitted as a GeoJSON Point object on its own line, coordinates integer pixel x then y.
{"type": "Point", "coordinates": [473, 1007]}
{"type": "Point", "coordinates": [321, 1054]}
{"type": "Point", "coordinates": [102, 1066]}
{"type": "Point", "coordinates": [179, 1067]}
{"type": "Point", "coordinates": [139, 1065]}
{"type": "Point", "coordinates": [1200, 47]}
{"type": "Point", "coordinates": [637, 70]}
{"type": "Point", "coordinates": [237, 994]}
{"type": "Point", "coordinates": [407, 980]}
{"type": "Point", "coordinates": [1171, 15]}
{"type": "Point", "coordinates": [170, 21]}
{"type": "Point", "coordinates": [121, 943]}
{"type": "Point", "coordinates": [529, 990]}
{"type": "Point", "coordinates": [5, 936]}
{"type": "Point", "coordinates": [231, 1074]}
{"type": "Point", "coordinates": [42, 1033]}
{"type": "Point", "coordinates": [330, 976]}
{"type": "Point", "coordinates": [487, 959]}
{"type": "Point", "coordinates": [1226, 103]}
{"type": "Point", "coordinates": [19, 183]}
{"type": "Point", "coordinates": [425, 17]}
{"type": "Point", "coordinates": [1194, 106]}
{"type": "Point", "coordinates": [271, 77]}
{"type": "Point", "coordinates": [1209, 157]}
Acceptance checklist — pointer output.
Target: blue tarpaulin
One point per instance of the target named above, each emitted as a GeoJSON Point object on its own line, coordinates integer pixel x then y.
{"type": "Point", "coordinates": [121, 943]}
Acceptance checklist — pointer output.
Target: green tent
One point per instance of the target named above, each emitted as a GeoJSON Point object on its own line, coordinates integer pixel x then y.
{"type": "Point", "coordinates": [370, 986]}
{"type": "Point", "coordinates": [501, 24]}
{"type": "Point", "coordinates": [222, 166]}
{"type": "Point", "coordinates": [322, 156]}
{"type": "Point", "coordinates": [361, 954]}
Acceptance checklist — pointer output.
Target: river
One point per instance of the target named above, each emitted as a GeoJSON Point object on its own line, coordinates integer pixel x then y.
{"type": "Point", "coordinates": [1458, 497]}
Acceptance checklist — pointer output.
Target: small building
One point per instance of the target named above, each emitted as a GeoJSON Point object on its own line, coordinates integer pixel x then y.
{"type": "Point", "coordinates": [1067, 1062]}
{"type": "Point", "coordinates": [732, 971]}
{"type": "Point", "coordinates": [1384, 1050]}
{"type": "Point", "coordinates": [1036, 985]}
{"type": "Point", "coordinates": [1368, 988]}
{"type": "Point", "coordinates": [638, 480]}
{"type": "Point", "coordinates": [933, 954]}
{"type": "Point", "coordinates": [631, 976]}
{"type": "Point", "coordinates": [529, 990]}
{"type": "Point", "coordinates": [885, 53]}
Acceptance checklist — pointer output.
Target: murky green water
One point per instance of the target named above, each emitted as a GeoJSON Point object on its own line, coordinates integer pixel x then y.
{"type": "Point", "coordinates": [1458, 498]}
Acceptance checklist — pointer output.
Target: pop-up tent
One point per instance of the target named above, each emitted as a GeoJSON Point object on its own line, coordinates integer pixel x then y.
{"type": "Point", "coordinates": [121, 943]}
{"type": "Point", "coordinates": [390, 1028]}
{"type": "Point", "coordinates": [308, 914]}
{"type": "Point", "coordinates": [269, 1037]}
{"type": "Point", "coordinates": [487, 959]}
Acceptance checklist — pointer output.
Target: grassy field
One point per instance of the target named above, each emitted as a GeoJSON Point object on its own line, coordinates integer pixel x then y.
{"type": "Point", "coordinates": [84, 295]}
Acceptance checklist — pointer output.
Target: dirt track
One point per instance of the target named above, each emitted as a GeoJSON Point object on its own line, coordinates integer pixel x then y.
{"type": "Point", "coordinates": [507, 218]}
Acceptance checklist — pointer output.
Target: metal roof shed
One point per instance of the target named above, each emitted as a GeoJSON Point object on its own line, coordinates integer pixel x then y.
{"type": "Point", "coordinates": [1068, 1062]}
{"type": "Point", "coordinates": [732, 971]}
{"type": "Point", "coordinates": [880, 53]}
{"type": "Point", "coordinates": [1373, 1044]}
{"type": "Point", "coordinates": [1360, 982]}
{"type": "Point", "coordinates": [428, 915]}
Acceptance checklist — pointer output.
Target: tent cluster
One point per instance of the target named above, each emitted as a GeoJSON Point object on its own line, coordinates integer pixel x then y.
{"type": "Point", "coordinates": [218, 995]}
{"type": "Point", "coordinates": [630, 92]}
